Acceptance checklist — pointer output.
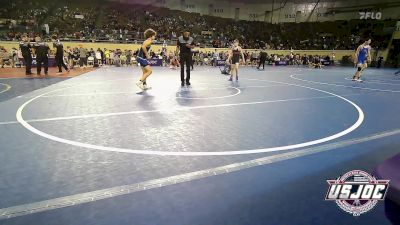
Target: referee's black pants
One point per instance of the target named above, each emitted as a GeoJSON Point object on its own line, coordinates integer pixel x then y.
{"type": "Point", "coordinates": [42, 60]}
{"type": "Point", "coordinates": [185, 60]}
{"type": "Point", "coordinates": [261, 62]}
{"type": "Point", "coordinates": [28, 63]}
{"type": "Point", "coordinates": [60, 63]}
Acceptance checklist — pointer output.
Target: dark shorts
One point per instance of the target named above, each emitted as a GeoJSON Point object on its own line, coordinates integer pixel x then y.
{"type": "Point", "coordinates": [142, 62]}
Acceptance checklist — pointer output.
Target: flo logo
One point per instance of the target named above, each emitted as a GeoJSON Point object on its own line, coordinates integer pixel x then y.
{"type": "Point", "coordinates": [370, 15]}
{"type": "Point", "coordinates": [356, 192]}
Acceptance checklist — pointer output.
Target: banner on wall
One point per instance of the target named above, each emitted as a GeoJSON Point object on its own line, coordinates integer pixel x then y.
{"type": "Point", "coordinates": [325, 62]}
{"type": "Point", "coordinates": [206, 32]}
{"type": "Point", "coordinates": [79, 16]}
{"type": "Point", "coordinates": [220, 62]}
{"type": "Point", "coordinates": [281, 63]}
{"type": "Point", "coordinates": [52, 62]}
{"type": "Point", "coordinates": [155, 62]}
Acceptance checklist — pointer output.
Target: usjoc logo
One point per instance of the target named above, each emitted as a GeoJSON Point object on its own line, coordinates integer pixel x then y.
{"type": "Point", "coordinates": [370, 15]}
{"type": "Point", "coordinates": [356, 192]}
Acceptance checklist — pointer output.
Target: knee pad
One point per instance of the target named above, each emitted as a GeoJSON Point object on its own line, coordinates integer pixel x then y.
{"type": "Point", "coordinates": [359, 68]}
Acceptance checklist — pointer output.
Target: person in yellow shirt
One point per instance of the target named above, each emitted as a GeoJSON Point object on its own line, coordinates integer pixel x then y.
{"type": "Point", "coordinates": [107, 54]}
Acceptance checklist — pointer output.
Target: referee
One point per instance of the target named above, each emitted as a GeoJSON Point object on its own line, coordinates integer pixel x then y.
{"type": "Point", "coordinates": [263, 58]}
{"type": "Point", "coordinates": [184, 47]}
{"type": "Point", "coordinates": [25, 47]}
{"type": "Point", "coordinates": [59, 56]}
{"type": "Point", "coordinates": [42, 51]}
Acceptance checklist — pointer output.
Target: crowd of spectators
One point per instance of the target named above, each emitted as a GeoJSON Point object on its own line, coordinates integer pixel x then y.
{"type": "Point", "coordinates": [117, 22]}
{"type": "Point", "coordinates": [83, 57]}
